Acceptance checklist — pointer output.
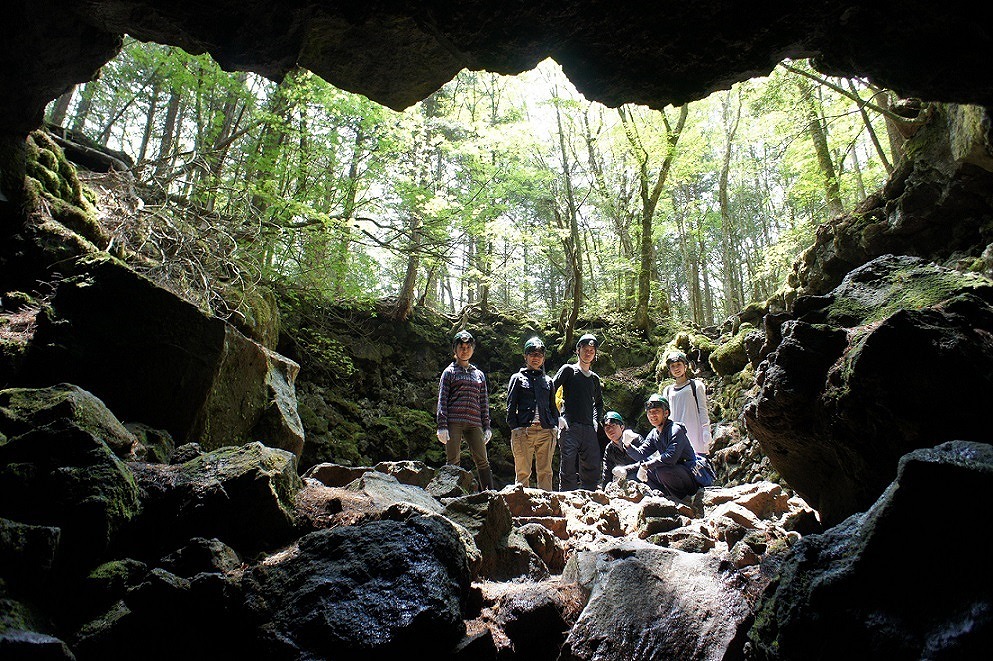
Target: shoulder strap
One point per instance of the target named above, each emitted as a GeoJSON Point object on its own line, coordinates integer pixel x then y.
{"type": "Point", "coordinates": [671, 389]}
{"type": "Point", "coordinates": [695, 396]}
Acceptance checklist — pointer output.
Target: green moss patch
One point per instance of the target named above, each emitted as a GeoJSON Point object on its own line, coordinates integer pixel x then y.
{"type": "Point", "coordinates": [913, 287]}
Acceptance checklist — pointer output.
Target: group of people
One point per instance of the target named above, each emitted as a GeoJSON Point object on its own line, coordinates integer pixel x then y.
{"type": "Point", "coordinates": [567, 410]}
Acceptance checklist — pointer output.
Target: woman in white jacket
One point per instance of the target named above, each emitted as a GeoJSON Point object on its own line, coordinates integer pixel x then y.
{"type": "Point", "coordinates": [688, 400]}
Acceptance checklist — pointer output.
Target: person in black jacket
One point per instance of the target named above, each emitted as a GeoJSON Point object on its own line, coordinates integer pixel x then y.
{"type": "Point", "coordinates": [580, 463]}
{"type": "Point", "coordinates": [532, 417]}
{"type": "Point", "coordinates": [615, 454]}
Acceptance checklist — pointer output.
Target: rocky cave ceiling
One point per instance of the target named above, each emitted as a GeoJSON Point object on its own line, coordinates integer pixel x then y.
{"type": "Point", "coordinates": [396, 52]}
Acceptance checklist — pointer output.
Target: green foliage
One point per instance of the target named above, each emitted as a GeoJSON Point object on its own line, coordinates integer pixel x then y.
{"type": "Point", "coordinates": [470, 190]}
{"type": "Point", "coordinates": [324, 351]}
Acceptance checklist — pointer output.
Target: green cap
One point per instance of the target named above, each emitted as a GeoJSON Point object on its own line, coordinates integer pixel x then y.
{"type": "Point", "coordinates": [613, 415]}
{"type": "Point", "coordinates": [676, 357]}
{"type": "Point", "coordinates": [534, 344]}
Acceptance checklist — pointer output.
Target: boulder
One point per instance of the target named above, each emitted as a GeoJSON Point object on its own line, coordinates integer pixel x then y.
{"type": "Point", "coordinates": [156, 359]}
{"type": "Point", "coordinates": [24, 409]}
{"type": "Point", "coordinates": [506, 554]}
{"type": "Point", "coordinates": [375, 590]}
{"type": "Point", "coordinates": [648, 602]}
{"type": "Point", "coordinates": [61, 475]}
{"type": "Point", "coordinates": [384, 490]}
{"type": "Point", "coordinates": [844, 395]}
{"type": "Point", "coordinates": [864, 577]}
{"type": "Point", "coordinates": [450, 482]}
{"type": "Point", "coordinates": [525, 620]}
{"type": "Point", "coordinates": [242, 496]}
{"type": "Point", "coordinates": [27, 554]}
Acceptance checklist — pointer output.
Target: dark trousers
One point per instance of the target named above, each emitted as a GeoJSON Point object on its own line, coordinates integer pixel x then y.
{"type": "Point", "coordinates": [579, 458]}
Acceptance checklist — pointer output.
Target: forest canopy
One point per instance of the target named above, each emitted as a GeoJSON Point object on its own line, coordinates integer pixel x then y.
{"type": "Point", "coordinates": [511, 193]}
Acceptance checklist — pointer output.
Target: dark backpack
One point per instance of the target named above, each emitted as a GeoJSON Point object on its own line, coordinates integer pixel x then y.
{"type": "Point", "coordinates": [703, 473]}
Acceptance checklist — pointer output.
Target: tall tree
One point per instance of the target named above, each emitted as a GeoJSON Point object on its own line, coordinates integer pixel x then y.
{"type": "Point", "coordinates": [567, 221]}
{"type": "Point", "coordinates": [650, 189]}
{"type": "Point", "coordinates": [415, 220]}
{"type": "Point", "coordinates": [733, 285]}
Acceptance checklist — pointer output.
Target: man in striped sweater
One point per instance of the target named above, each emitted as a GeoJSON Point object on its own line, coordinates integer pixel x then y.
{"type": "Point", "coordinates": [464, 409]}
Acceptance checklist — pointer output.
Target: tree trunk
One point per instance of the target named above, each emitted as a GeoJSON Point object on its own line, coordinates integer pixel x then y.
{"type": "Point", "coordinates": [343, 230]}
{"type": "Point", "coordinates": [146, 135]}
{"type": "Point", "coordinates": [404, 306]}
{"type": "Point", "coordinates": [571, 244]}
{"type": "Point", "coordinates": [216, 155]}
{"type": "Point", "coordinates": [817, 130]}
{"type": "Point", "coordinates": [650, 194]}
{"type": "Point", "coordinates": [733, 286]}
{"type": "Point", "coordinates": [60, 108]}
{"type": "Point", "coordinates": [415, 225]}
{"type": "Point", "coordinates": [168, 134]}
{"type": "Point", "coordinates": [871, 133]}
{"type": "Point", "coordinates": [83, 107]}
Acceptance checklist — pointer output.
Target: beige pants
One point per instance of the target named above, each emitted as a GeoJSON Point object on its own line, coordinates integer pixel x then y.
{"type": "Point", "coordinates": [533, 443]}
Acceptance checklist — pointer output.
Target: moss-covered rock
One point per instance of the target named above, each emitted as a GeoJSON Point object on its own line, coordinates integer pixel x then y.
{"type": "Point", "coordinates": [50, 177]}
{"type": "Point", "coordinates": [62, 475]}
{"type": "Point", "coordinates": [730, 356]}
{"type": "Point", "coordinates": [887, 284]}
{"type": "Point", "coordinates": [24, 409]}
{"type": "Point", "coordinates": [243, 496]}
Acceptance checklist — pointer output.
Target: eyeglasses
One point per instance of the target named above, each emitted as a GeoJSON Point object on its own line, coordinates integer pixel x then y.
{"type": "Point", "coordinates": [534, 350]}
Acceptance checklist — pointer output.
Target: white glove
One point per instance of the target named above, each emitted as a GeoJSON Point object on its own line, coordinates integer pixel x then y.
{"type": "Point", "coordinates": [642, 473]}
{"type": "Point", "coordinates": [620, 472]}
{"type": "Point", "coordinates": [487, 435]}
{"type": "Point", "coordinates": [443, 436]}
{"type": "Point", "coordinates": [628, 437]}
{"type": "Point", "coordinates": [563, 425]}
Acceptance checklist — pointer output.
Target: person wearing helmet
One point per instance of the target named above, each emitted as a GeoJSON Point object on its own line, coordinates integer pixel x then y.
{"type": "Point", "coordinates": [464, 409]}
{"type": "Point", "coordinates": [580, 461]}
{"type": "Point", "coordinates": [688, 398]}
{"type": "Point", "coordinates": [615, 454]}
{"type": "Point", "coordinates": [532, 417]}
{"type": "Point", "coordinates": [664, 457]}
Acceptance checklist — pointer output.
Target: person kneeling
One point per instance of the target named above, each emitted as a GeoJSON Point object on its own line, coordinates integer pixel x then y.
{"type": "Point", "coordinates": [663, 458]}
{"type": "Point", "coordinates": [615, 454]}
